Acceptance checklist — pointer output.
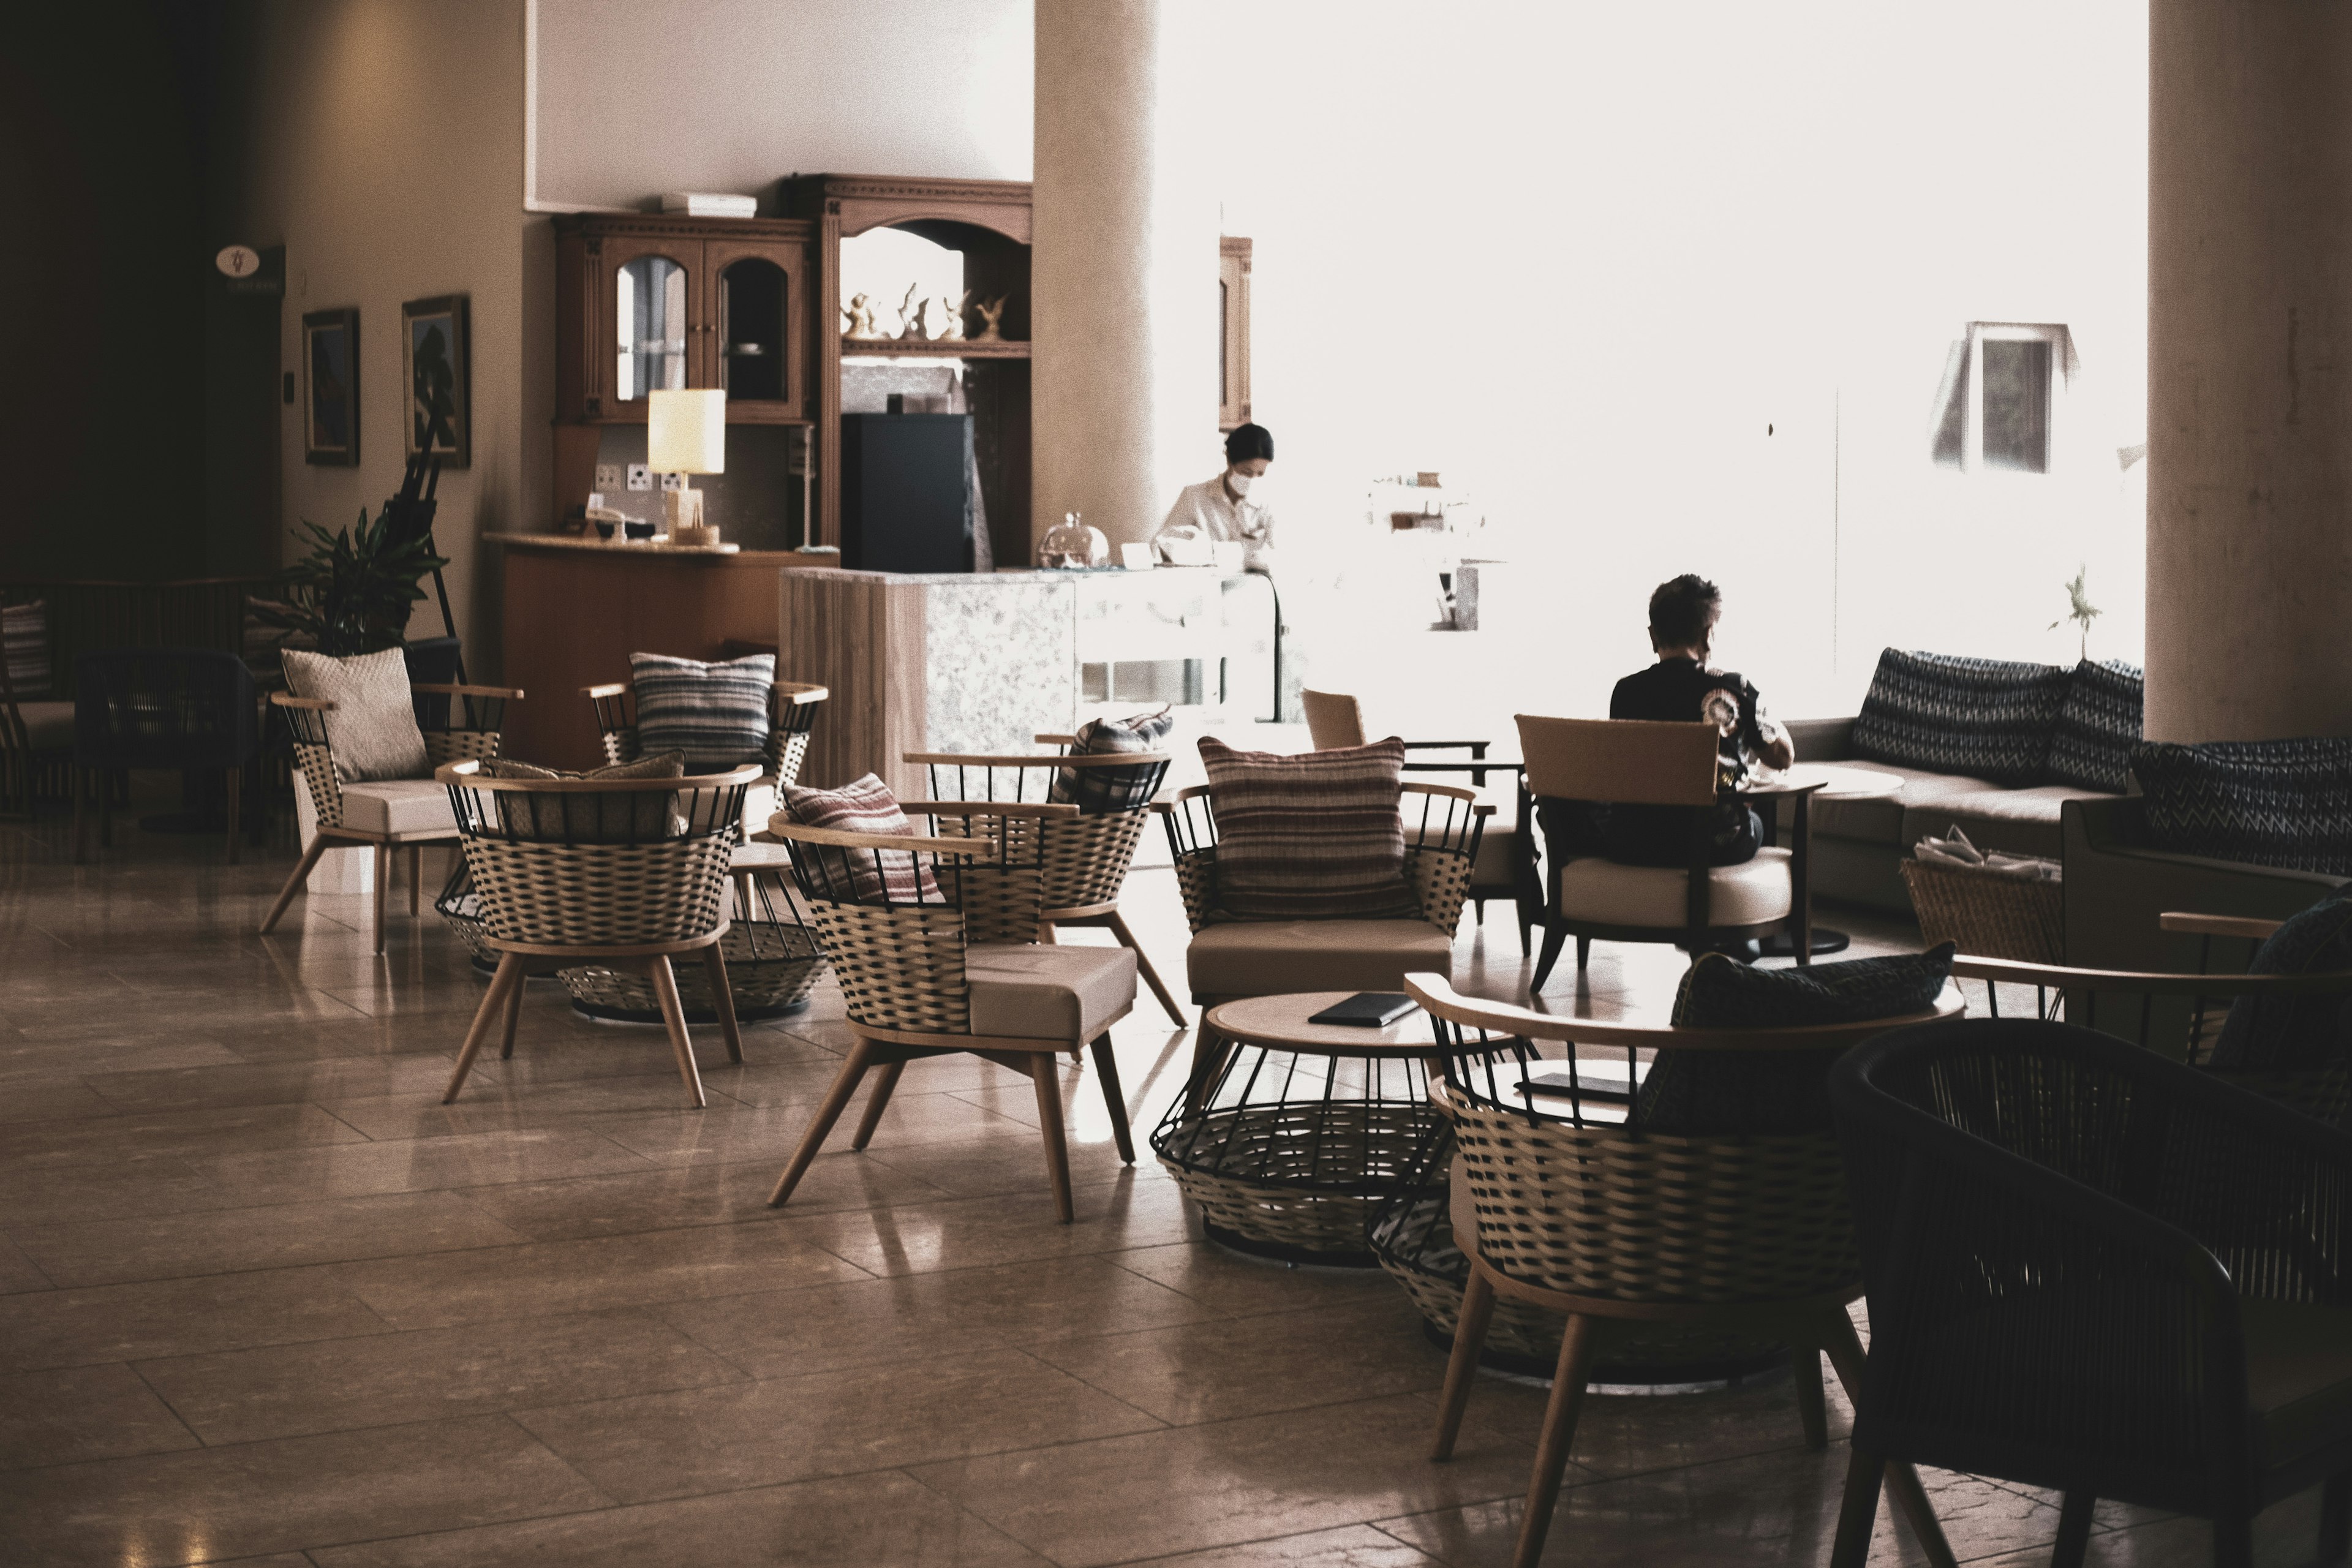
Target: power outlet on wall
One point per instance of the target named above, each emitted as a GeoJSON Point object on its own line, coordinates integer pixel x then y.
{"type": "Point", "coordinates": [673, 481]}
{"type": "Point", "coordinates": [641, 477]}
{"type": "Point", "coordinates": [608, 476]}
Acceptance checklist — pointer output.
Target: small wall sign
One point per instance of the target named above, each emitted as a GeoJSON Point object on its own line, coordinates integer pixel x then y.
{"type": "Point", "coordinates": [237, 261]}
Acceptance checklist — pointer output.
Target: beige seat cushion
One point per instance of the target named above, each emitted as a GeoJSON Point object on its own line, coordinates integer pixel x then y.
{"type": "Point", "coordinates": [398, 805]}
{"type": "Point", "coordinates": [50, 725]}
{"type": "Point", "coordinates": [2021, 821]}
{"type": "Point", "coordinates": [1493, 866]}
{"type": "Point", "coordinates": [1602, 892]}
{"type": "Point", "coordinates": [1265, 958]}
{"type": "Point", "coordinates": [1029, 992]}
{"type": "Point", "coordinates": [1880, 821]}
{"type": "Point", "coordinates": [2298, 1375]}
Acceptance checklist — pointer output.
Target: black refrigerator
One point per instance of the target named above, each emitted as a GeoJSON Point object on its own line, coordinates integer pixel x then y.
{"type": "Point", "coordinates": [907, 484]}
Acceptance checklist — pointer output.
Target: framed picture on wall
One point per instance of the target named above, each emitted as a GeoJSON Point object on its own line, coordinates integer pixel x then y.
{"type": "Point", "coordinates": [330, 387]}
{"type": "Point", "coordinates": [433, 367]}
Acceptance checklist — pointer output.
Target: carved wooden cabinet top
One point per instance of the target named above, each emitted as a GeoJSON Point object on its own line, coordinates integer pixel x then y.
{"type": "Point", "coordinates": [861, 202]}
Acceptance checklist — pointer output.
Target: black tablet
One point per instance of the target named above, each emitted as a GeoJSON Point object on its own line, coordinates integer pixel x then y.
{"type": "Point", "coordinates": [1367, 1009]}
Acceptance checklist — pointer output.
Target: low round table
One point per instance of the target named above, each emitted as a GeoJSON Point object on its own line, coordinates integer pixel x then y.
{"type": "Point", "coordinates": [772, 960]}
{"type": "Point", "coordinates": [1827, 781]}
{"type": "Point", "coordinates": [1303, 1130]}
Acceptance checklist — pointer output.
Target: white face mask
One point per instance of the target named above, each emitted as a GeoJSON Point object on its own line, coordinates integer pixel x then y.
{"type": "Point", "coordinates": [1237, 481]}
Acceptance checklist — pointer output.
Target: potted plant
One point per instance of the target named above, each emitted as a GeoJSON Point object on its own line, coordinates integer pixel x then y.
{"type": "Point", "coordinates": [350, 595]}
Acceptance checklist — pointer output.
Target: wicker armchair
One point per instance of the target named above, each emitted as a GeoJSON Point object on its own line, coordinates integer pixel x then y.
{"type": "Point", "coordinates": [386, 814]}
{"type": "Point", "coordinates": [933, 939]}
{"type": "Point", "coordinates": [2179, 1016]}
{"type": "Point", "coordinates": [1578, 1208]}
{"type": "Point", "coordinates": [36, 732]}
{"type": "Point", "coordinates": [1229, 960]}
{"type": "Point", "coordinates": [792, 715]}
{"type": "Point", "coordinates": [1089, 855]}
{"type": "Point", "coordinates": [188, 708]}
{"type": "Point", "coordinates": [620, 872]}
{"type": "Point", "coordinates": [2098, 1272]}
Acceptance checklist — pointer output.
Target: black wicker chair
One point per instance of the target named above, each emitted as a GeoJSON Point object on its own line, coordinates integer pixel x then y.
{"type": "Point", "coordinates": [2097, 1271]}
{"type": "Point", "coordinates": [187, 707]}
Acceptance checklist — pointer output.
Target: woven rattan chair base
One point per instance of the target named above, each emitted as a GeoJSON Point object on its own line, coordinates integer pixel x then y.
{"type": "Point", "coordinates": [1296, 1181]}
{"type": "Point", "coordinates": [770, 969]}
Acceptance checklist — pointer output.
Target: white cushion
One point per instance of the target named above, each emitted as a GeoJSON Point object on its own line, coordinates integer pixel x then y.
{"type": "Point", "coordinates": [1602, 892]}
{"type": "Point", "coordinates": [1027, 991]}
{"type": "Point", "coordinates": [398, 805]}
{"type": "Point", "coordinates": [372, 731]}
{"type": "Point", "coordinates": [48, 725]}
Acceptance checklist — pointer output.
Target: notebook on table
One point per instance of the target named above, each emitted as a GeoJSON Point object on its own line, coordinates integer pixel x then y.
{"type": "Point", "coordinates": [1367, 1009]}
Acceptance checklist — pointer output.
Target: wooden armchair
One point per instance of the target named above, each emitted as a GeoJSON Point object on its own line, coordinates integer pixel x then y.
{"type": "Point", "coordinates": [792, 715]}
{"type": "Point", "coordinates": [386, 814]}
{"type": "Point", "coordinates": [933, 939]}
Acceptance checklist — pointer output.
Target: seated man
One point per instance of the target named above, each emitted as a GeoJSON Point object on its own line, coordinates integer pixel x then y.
{"type": "Point", "coordinates": [1680, 688]}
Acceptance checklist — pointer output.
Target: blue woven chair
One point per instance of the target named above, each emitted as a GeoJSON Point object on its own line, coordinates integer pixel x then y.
{"type": "Point", "coordinates": [176, 707]}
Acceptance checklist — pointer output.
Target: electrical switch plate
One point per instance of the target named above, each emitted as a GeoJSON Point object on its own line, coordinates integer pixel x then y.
{"type": "Point", "coordinates": [640, 477]}
{"type": "Point", "coordinates": [608, 476]}
{"type": "Point", "coordinates": [673, 481]}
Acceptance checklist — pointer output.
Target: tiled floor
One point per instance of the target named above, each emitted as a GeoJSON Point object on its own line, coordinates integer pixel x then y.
{"type": "Point", "coordinates": [264, 1299]}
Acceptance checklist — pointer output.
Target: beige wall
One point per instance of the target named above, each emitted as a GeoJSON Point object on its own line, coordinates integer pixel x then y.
{"type": "Point", "coordinates": [639, 97]}
{"type": "Point", "coordinates": [386, 155]}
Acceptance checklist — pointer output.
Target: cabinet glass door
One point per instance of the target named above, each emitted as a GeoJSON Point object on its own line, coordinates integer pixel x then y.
{"type": "Point", "coordinates": [650, 322]}
{"type": "Point", "coordinates": [755, 307]}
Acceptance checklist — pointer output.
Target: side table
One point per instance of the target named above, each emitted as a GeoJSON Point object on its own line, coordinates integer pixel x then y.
{"type": "Point", "coordinates": [1808, 782]}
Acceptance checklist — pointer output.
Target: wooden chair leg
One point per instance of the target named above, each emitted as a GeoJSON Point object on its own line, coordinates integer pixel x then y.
{"type": "Point", "coordinates": [673, 1012]}
{"type": "Point", "coordinates": [494, 1003]}
{"type": "Point", "coordinates": [722, 1001]}
{"type": "Point", "coordinates": [2335, 1516]}
{"type": "Point", "coordinates": [1805, 1371]}
{"type": "Point", "coordinates": [294, 883]}
{"type": "Point", "coordinates": [836, 1099]}
{"type": "Point", "coordinates": [876, 1102]}
{"type": "Point", "coordinates": [1046, 1073]}
{"type": "Point", "coordinates": [234, 783]}
{"type": "Point", "coordinates": [2073, 1531]}
{"type": "Point", "coordinates": [1119, 928]}
{"type": "Point", "coordinates": [382, 876]}
{"type": "Point", "coordinates": [1554, 935]}
{"type": "Point", "coordinates": [1461, 1366]}
{"type": "Point", "coordinates": [416, 878]}
{"type": "Point", "coordinates": [1858, 1511]}
{"type": "Point", "coordinates": [1844, 1349]}
{"type": "Point", "coordinates": [80, 777]}
{"type": "Point", "coordinates": [106, 806]}
{"type": "Point", "coordinates": [1576, 1348]}
{"type": "Point", "coordinates": [1209, 1049]}
{"type": "Point", "coordinates": [1584, 953]}
{"type": "Point", "coordinates": [514, 1016]}
{"type": "Point", "coordinates": [1114, 1098]}
{"type": "Point", "coordinates": [2233, 1538]}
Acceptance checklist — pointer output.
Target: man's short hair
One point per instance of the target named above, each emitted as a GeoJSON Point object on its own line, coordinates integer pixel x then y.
{"type": "Point", "coordinates": [1681, 608]}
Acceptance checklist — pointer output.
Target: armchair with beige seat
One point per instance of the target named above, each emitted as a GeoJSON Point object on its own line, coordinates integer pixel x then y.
{"type": "Point", "coordinates": [1573, 763]}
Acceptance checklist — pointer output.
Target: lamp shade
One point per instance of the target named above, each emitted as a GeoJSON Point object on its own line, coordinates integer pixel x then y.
{"type": "Point", "coordinates": [685, 432]}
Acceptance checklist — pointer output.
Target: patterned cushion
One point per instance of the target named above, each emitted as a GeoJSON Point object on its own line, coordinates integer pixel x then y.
{"type": "Point", "coordinates": [635, 818]}
{"type": "Point", "coordinates": [2262, 802]}
{"type": "Point", "coordinates": [1097, 791]}
{"type": "Point", "coordinates": [1981, 716]}
{"type": "Point", "coordinates": [858, 876]}
{"type": "Point", "coordinates": [2264, 1033]}
{"type": "Point", "coordinates": [1695, 1092]}
{"type": "Point", "coordinates": [715, 713]}
{"type": "Point", "coordinates": [372, 731]}
{"type": "Point", "coordinates": [1313, 836]}
{"type": "Point", "coordinates": [25, 636]}
{"type": "Point", "coordinates": [2097, 726]}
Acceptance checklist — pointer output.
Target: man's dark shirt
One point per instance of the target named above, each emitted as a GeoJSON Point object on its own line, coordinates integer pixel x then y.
{"type": "Point", "coordinates": [1675, 691]}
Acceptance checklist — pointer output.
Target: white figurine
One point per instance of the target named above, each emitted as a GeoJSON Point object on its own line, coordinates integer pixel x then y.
{"type": "Point", "coordinates": [860, 311]}
{"type": "Point", "coordinates": [991, 312]}
{"type": "Point", "coordinates": [910, 315]}
{"type": "Point", "coordinates": [950, 322]}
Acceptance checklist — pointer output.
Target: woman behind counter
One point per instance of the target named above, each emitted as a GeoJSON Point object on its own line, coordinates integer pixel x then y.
{"type": "Point", "coordinates": [1220, 508]}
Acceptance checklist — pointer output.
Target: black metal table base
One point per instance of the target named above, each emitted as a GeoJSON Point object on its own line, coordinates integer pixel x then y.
{"type": "Point", "coordinates": [693, 1015]}
{"type": "Point", "coordinates": [1756, 1366]}
{"type": "Point", "coordinates": [1282, 1252]}
{"type": "Point", "coordinates": [1783, 945]}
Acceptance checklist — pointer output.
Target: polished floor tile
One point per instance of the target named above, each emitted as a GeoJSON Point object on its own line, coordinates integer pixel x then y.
{"type": "Point", "coordinates": [79, 1412]}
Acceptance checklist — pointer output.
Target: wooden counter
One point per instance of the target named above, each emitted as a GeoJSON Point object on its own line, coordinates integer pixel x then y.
{"type": "Point", "coordinates": [576, 609]}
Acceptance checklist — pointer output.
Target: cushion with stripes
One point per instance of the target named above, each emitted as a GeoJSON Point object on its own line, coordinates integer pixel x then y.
{"type": "Point", "coordinates": [715, 713]}
{"type": "Point", "coordinates": [631, 816]}
{"type": "Point", "coordinates": [1096, 791]}
{"type": "Point", "coordinates": [858, 876]}
{"type": "Point", "coordinates": [25, 632]}
{"type": "Point", "coordinates": [2098, 726]}
{"type": "Point", "coordinates": [1984, 718]}
{"type": "Point", "coordinates": [1312, 836]}
{"type": "Point", "coordinates": [2262, 802]}
{"type": "Point", "coordinates": [2268, 1032]}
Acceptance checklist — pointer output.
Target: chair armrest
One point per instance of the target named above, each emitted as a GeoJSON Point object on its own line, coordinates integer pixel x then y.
{"type": "Point", "coordinates": [445, 688]}
{"type": "Point", "coordinates": [2219, 925]}
{"type": "Point", "coordinates": [609, 689]}
{"type": "Point", "coordinates": [969, 848]}
{"type": "Point", "coordinates": [1035, 808]}
{"type": "Point", "coordinates": [1056, 739]}
{"type": "Point", "coordinates": [1445, 745]}
{"type": "Point", "coordinates": [307, 704]}
{"type": "Point", "coordinates": [797, 692]}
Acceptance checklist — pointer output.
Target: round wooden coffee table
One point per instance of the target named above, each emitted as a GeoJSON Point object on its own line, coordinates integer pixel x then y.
{"type": "Point", "coordinates": [1299, 1131]}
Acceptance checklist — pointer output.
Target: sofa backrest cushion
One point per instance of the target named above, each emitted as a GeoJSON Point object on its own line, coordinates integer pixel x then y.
{"type": "Point", "coordinates": [2098, 727]}
{"type": "Point", "coordinates": [1313, 836]}
{"type": "Point", "coordinates": [2262, 803]}
{"type": "Point", "coordinates": [1986, 718]}
{"type": "Point", "coordinates": [2270, 1033]}
{"type": "Point", "coordinates": [1690, 1092]}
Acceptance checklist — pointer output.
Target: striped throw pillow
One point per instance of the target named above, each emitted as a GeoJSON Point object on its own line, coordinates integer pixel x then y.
{"type": "Point", "coordinates": [715, 713]}
{"type": "Point", "coordinates": [1984, 718]}
{"type": "Point", "coordinates": [1312, 836]}
{"type": "Point", "coordinates": [25, 634]}
{"type": "Point", "coordinates": [1098, 791]}
{"type": "Point", "coordinates": [858, 876]}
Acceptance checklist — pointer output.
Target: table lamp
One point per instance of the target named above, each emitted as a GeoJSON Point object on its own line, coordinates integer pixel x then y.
{"type": "Point", "coordinates": [685, 432]}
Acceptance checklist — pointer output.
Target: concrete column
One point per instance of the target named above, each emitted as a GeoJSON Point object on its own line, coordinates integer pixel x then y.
{"type": "Point", "coordinates": [1124, 273]}
{"type": "Point", "coordinates": [2249, 369]}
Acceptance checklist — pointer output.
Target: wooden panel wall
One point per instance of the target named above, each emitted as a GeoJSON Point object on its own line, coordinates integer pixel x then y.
{"type": "Point", "coordinates": [861, 635]}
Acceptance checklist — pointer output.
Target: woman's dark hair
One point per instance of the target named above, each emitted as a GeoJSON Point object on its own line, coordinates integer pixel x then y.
{"type": "Point", "coordinates": [1248, 441]}
{"type": "Point", "coordinates": [1681, 608]}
